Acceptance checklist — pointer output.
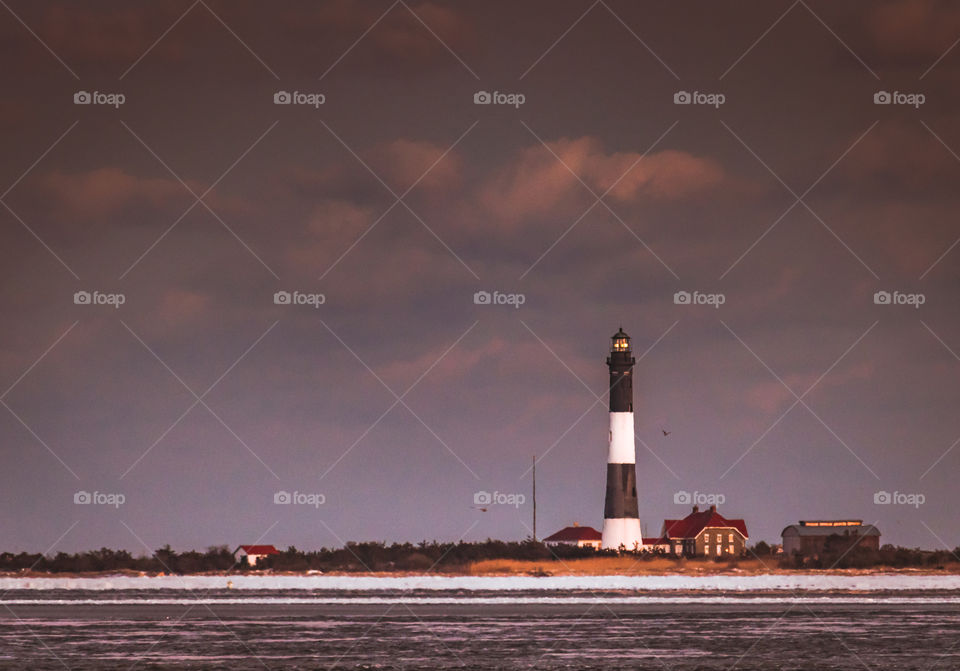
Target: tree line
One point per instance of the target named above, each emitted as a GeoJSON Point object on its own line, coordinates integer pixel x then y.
{"type": "Point", "coordinates": [435, 556]}
{"type": "Point", "coordinates": [844, 552]}
{"type": "Point", "coordinates": [353, 557]}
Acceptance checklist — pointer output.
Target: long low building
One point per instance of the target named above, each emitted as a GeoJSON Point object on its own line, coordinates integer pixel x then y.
{"type": "Point", "coordinates": [810, 536]}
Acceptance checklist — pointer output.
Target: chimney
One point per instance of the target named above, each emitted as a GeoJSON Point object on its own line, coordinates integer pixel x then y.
{"type": "Point", "coordinates": [713, 509]}
{"type": "Point", "coordinates": [696, 509]}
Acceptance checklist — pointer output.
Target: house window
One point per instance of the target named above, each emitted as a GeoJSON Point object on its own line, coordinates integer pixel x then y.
{"type": "Point", "coordinates": [719, 550]}
{"type": "Point", "coordinates": [719, 537]}
{"type": "Point", "coordinates": [706, 549]}
{"type": "Point", "coordinates": [730, 538]}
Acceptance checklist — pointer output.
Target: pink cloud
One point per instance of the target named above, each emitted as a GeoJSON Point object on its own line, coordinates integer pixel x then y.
{"type": "Point", "coordinates": [920, 31]}
{"type": "Point", "coordinates": [772, 398]}
{"type": "Point", "coordinates": [178, 306]}
{"type": "Point", "coordinates": [402, 162]}
{"type": "Point", "coordinates": [103, 191]}
{"type": "Point", "coordinates": [536, 183]}
{"type": "Point", "coordinates": [115, 38]}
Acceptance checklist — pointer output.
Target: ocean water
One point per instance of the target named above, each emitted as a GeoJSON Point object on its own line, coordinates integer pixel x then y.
{"type": "Point", "coordinates": [503, 623]}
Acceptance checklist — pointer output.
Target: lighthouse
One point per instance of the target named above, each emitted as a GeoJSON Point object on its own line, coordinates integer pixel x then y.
{"type": "Point", "coordinates": [621, 522]}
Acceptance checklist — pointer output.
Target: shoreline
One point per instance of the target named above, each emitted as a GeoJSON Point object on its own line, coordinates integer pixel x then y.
{"type": "Point", "coordinates": [619, 567]}
{"type": "Point", "coordinates": [695, 573]}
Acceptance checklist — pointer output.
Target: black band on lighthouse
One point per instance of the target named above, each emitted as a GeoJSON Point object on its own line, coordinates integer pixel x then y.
{"type": "Point", "coordinates": [621, 492]}
{"type": "Point", "coordinates": [621, 381]}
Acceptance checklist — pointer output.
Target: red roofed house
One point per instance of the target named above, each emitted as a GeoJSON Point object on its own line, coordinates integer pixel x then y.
{"type": "Point", "coordinates": [705, 534]}
{"type": "Point", "coordinates": [576, 535]}
{"type": "Point", "coordinates": [253, 554]}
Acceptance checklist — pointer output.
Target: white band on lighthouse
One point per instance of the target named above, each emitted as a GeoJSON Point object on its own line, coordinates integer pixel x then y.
{"type": "Point", "coordinates": [622, 449]}
{"type": "Point", "coordinates": [622, 532]}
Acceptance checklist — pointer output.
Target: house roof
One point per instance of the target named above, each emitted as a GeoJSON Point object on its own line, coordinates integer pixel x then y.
{"type": "Point", "coordinates": [259, 549]}
{"type": "Point", "coordinates": [854, 529]}
{"type": "Point", "coordinates": [574, 534]}
{"type": "Point", "coordinates": [691, 525]}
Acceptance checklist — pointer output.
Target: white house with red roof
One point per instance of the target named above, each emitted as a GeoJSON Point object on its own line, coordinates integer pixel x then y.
{"type": "Point", "coordinates": [576, 535]}
{"type": "Point", "coordinates": [253, 554]}
{"type": "Point", "coordinates": [705, 534]}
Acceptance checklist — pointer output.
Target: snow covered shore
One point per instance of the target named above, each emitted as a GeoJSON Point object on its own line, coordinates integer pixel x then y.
{"type": "Point", "coordinates": [745, 583]}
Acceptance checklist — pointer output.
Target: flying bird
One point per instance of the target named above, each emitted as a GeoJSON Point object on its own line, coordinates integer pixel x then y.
{"type": "Point", "coordinates": [665, 432]}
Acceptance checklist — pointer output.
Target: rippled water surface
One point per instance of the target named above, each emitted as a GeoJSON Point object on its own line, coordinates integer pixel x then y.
{"type": "Point", "coordinates": [478, 629]}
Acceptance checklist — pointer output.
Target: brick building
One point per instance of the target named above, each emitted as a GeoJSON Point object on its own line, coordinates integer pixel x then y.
{"type": "Point", "coordinates": [705, 534]}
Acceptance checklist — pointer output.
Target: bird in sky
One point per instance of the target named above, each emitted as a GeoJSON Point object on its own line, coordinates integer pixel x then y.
{"type": "Point", "coordinates": [665, 432]}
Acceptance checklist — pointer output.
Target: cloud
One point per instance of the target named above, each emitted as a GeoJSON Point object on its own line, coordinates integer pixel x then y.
{"type": "Point", "coordinates": [402, 162]}
{"type": "Point", "coordinates": [901, 158]}
{"type": "Point", "coordinates": [536, 183]}
{"type": "Point", "coordinates": [397, 38]}
{"type": "Point", "coordinates": [116, 37]}
{"type": "Point", "coordinates": [179, 306]}
{"type": "Point", "coordinates": [119, 37]}
{"type": "Point", "coordinates": [97, 193]}
{"type": "Point", "coordinates": [910, 32]}
{"type": "Point", "coordinates": [770, 397]}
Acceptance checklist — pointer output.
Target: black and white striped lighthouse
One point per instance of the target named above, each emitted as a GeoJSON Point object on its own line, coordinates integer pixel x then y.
{"type": "Point", "coordinates": [621, 522]}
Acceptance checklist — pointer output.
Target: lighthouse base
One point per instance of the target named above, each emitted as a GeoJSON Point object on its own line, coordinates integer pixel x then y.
{"type": "Point", "coordinates": [623, 531]}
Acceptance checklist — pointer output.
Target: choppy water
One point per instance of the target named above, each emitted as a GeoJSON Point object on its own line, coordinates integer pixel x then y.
{"type": "Point", "coordinates": [479, 629]}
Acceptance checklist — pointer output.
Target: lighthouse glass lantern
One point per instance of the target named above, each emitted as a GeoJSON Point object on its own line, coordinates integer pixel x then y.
{"type": "Point", "coordinates": [621, 342]}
